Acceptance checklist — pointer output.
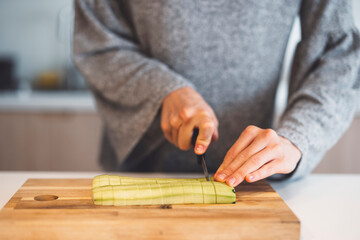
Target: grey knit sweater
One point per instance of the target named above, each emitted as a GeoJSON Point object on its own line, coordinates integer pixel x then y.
{"type": "Point", "coordinates": [134, 53]}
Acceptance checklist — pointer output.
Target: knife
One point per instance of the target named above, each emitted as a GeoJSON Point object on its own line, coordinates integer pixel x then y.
{"type": "Point", "coordinates": [200, 158]}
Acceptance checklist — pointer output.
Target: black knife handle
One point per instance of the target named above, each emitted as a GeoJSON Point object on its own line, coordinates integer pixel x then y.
{"type": "Point", "coordinates": [194, 136]}
{"type": "Point", "coordinates": [193, 142]}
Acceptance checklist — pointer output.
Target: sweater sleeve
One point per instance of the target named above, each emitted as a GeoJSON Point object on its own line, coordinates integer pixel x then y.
{"type": "Point", "coordinates": [128, 85]}
{"type": "Point", "coordinates": [324, 83]}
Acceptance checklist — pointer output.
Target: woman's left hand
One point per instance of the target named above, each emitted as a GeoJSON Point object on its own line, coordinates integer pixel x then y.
{"type": "Point", "coordinates": [257, 154]}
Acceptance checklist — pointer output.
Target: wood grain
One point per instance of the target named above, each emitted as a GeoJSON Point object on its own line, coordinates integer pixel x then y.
{"type": "Point", "coordinates": [259, 213]}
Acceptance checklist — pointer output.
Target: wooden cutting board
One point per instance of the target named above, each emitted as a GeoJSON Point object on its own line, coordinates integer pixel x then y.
{"type": "Point", "coordinates": [63, 209]}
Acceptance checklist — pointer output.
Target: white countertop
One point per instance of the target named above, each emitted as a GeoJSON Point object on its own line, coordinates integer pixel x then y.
{"type": "Point", "coordinates": [328, 205]}
{"type": "Point", "coordinates": [47, 101]}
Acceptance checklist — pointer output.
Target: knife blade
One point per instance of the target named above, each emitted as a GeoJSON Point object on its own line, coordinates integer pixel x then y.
{"type": "Point", "coordinates": [201, 157]}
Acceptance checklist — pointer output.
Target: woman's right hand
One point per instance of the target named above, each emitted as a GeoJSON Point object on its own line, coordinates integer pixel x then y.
{"type": "Point", "coordinates": [182, 111]}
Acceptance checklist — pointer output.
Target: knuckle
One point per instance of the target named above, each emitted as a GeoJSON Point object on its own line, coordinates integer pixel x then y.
{"type": "Point", "coordinates": [185, 113]}
{"type": "Point", "coordinates": [229, 170]}
{"type": "Point", "coordinates": [276, 146]}
{"type": "Point", "coordinates": [206, 133]}
{"type": "Point", "coordinates": [204, 139]}
{"type": "Point", "coordinates": [269, 133]}
{"type": "Point", "coordinates": [242, 155]}
{"type": "Point", "coordinates": [174, 121]}
{"type": "Point", "coordinates": [165, 127]}
{"type": "Point", "coordinates": [251, 129]}
{"type": "Point", "coordinates": [208, 126]}
{"type": "Point", "coordinates": [204, 112]}
{"type": "Point", "coordinates": [239, 174]}
{"type": "Point", "coordinates": [231, 154]}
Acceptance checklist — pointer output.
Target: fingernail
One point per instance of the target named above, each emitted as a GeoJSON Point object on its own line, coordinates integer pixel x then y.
{"type": "Point", "coordinates": [199, 148]}
{"type": "Point", "coordinates": [231, 181]}
{"type": "Point", "coordinates": [251, 177]}
{"type": "Point", "coordinates": [222, 176]}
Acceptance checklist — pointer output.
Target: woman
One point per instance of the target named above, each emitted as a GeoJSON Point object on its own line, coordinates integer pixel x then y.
{"type": "Point", "coordinates": [158, 69]}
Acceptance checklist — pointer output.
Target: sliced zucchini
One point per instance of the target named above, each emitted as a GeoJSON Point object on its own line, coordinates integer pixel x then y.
{"type": "Point", "coordinates": [104, 180]}
{"type": "Point", "coordinates": [107, 195]}
{"type": "Point", "coordinates": [208, 192]}
{"type": "Point", "coordinates": [158, 191]}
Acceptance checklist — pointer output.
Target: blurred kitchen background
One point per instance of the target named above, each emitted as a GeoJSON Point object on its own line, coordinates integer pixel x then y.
{"type": "Point", "coordinates": [48, 118]}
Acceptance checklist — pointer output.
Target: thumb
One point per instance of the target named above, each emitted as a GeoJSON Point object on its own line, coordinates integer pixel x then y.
{"type": "Point", "coordinates": [206, 131]}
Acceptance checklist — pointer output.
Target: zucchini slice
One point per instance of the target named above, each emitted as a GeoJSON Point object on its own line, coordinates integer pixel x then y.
{"type": "Point", "coordinates": [104, 180]}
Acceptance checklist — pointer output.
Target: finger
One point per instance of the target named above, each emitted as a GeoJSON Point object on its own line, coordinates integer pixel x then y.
{"type": "Point", "coordinates": [165, 127]}
{"type": "Point", "coordinates": [245, 139]}
{"type": "Point", "coordinates": [265, 171]}
{"type": "Point", "coordinates": [175, 123]}
{"type": "Point", "coordinates": [174, 136]}
{"type": "Point", "coordinates": [227, 169]}
{"type": "Point", "coordinates": [215, 135]}
{"type": "Point", "coordinates": [254, 163]}
{"type": "Point", "coordinates": [168, 136]}
{"type": "Point", "coordinates": [206, 130]}
{"type": "Point", "coordinates": [214, 138]}
{"type": "Point", "coordinates": [184, 136]}
{"type": "Point", "coordinates": [187, 113]}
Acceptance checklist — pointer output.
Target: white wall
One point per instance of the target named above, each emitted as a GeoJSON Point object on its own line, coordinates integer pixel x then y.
{"type": "Point", "coordinates": [356, 12]}
{"type": "Point", "coordinates": [35, 33]}
{"type": "Point", "coordinates": [295, 37]}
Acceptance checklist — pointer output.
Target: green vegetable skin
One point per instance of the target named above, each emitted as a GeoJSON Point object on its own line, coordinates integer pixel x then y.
{"type": "Point", "coordinates": [118, 191]}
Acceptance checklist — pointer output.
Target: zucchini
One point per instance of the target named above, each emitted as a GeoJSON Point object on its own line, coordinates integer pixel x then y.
{"type": "Point", "coordinates": [113, 190]}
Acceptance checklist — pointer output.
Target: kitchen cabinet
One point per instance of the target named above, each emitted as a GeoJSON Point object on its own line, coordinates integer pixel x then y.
{"type": "Point", "coordinates": [70, 141]}
{"type": "Point", "coordinates": [33, 140]}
